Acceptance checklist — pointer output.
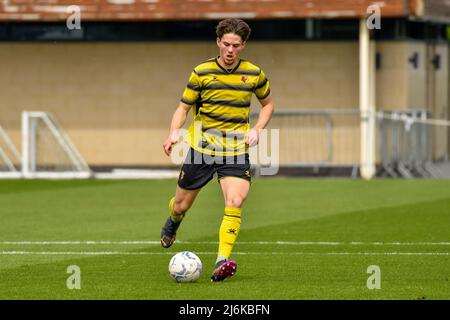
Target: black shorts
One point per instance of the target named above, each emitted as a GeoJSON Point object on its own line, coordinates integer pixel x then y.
{"type": "Point", "coordinates": [198, 169]}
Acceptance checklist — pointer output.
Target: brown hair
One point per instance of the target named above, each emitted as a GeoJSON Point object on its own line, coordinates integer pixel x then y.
{"type": "Point", "coordinates": [236, 26]}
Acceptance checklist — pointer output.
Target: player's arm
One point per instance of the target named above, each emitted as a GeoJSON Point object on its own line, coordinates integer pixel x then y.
{"type": "Point", "coordinates": [264, 117]}
{"type": "Point", "coordinates": [178, 120]}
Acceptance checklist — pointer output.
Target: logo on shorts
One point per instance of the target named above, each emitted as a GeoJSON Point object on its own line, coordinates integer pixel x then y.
{"type": "Point", "coordinates": [204, 143]}
{"type": "Point", "coordinates": [232, 231]}
{"type": "Point", "coordinates": [181, 175]}
{"type": "Point", "coordinates": [247, 173]}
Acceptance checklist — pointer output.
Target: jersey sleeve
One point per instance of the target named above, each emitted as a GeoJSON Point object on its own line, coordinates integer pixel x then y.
{"type": "Point", "coordinates": [192, 91]}
{"type": "Point", "coordinates": [262, 89]}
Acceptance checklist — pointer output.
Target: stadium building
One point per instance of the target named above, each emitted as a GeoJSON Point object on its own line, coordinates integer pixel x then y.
{"type": "Point", "coordinates": [114, 82]}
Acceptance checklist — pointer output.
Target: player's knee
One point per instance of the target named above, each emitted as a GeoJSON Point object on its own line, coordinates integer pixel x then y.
{"type": "Point", "coordinates": [180, 207]}
{"type": "Point", "coordinates": [235, 201]}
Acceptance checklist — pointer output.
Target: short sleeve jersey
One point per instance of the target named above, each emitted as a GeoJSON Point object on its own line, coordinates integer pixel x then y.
{"type": "Point", "coordinates": [221, 99]}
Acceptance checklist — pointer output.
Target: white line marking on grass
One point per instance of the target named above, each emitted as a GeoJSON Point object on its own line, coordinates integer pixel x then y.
{"type": "Point", "coordinates": [76, 242]}
{"type": "Point", "coordinates": [81, 253]}
{"type": "Point", "coordinates": [292, 243]}
{"type": "Point", "coordinates": [93, 253]}
{"type": "Point", "coordinates": [355, 243]}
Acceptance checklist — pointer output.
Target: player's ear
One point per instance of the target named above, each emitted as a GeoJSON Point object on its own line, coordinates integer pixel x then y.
{"type": "Point", "coordinates": [218, 41]}
{"type": "Point", "coordinates": [243, 44]}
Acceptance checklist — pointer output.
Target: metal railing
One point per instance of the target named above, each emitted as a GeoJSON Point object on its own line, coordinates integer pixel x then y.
{"type": "Point", "coordinates": [408, 143]}
{"type": "Point", "coordinates": [317, 137]}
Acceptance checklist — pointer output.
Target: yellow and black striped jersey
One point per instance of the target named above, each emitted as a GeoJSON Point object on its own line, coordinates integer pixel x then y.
{"type": "Point", "coordinates": [221, 100]}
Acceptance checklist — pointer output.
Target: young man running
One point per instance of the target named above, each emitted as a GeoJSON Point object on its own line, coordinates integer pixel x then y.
{"type": "Point", "coordinates": [220, 91]}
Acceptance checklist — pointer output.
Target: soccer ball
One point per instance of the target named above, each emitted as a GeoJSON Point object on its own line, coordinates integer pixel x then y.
{"type": "Point", "coordinates": [185, 267]}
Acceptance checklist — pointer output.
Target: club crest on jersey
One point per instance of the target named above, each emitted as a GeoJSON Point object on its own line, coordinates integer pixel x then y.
{"type": "Point", "coordinates": [244, 79]}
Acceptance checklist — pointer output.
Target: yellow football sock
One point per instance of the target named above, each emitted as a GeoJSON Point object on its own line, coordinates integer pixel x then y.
{"type": "Point", "coordinates": [229, 231]}
{"type": "Point", "coordinates": [173, 216]}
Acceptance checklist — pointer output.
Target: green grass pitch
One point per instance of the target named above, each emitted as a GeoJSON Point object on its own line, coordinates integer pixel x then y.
{"type": "Point", "coordinates": [300, 239]}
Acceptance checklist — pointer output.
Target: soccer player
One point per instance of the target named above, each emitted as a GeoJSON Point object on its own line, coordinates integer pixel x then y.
{"type": "Point", "coordinates": [220, 91]}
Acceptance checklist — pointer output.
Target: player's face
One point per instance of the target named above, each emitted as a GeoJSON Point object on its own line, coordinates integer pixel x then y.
{"type": "Point", "coordinates": [230, 45]}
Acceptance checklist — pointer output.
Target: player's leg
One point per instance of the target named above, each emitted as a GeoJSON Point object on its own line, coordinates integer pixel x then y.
{"type": "Point", "coordinates": [235, 191]}
{"type": "Point", "coordinates": [181, 203]}
{"type": "Point", "coordinates": [178, 206]}
{"type": "Point", "coordinates": [193, 176]}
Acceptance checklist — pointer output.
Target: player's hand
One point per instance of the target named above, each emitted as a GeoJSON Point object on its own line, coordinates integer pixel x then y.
{"type": "Point", "coordinates": [252, 138]}
{"type": "Point", "coordinates": [171, 140]}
